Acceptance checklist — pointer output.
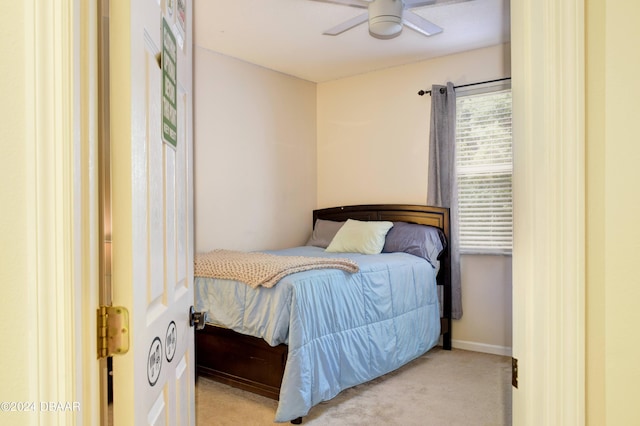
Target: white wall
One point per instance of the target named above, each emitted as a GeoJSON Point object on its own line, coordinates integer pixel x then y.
{"type": "Point", "coordinates": [613, 208]}
{"type": "Point", "coordinates": [18, 374]}
{"type": "Point", "coordinates": [254, 155]}
{"type": "Point", "coordinates": [486, 302]}
{"type": "Point", "coordinates": [373, 128]}
{"type": "Point", "coordinates": [373, 148]}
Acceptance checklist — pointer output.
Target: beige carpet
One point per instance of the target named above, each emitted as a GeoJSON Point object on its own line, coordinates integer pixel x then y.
{"type": "Point", "coordinates": [440, 388]}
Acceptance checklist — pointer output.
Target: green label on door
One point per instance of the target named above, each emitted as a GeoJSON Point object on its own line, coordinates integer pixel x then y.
{"type": "Point", "coordinates": [169, 78]}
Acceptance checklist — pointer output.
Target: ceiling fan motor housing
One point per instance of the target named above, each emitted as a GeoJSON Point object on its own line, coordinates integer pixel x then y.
{"type": "Point", "coordinates": [385, 18]}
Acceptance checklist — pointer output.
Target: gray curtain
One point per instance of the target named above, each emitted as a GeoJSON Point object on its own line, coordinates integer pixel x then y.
{"type": "Point", "coordinates": [442, 188]}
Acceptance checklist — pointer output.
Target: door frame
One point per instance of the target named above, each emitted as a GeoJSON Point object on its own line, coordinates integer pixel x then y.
{"type": "Point", "coordinates": [62, 143]}
{"type": "Point", "coordinates": [548, 86]}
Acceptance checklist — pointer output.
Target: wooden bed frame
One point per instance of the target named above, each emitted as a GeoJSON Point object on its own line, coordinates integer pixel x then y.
{"type": "Point", "coordinates": [249, 363]}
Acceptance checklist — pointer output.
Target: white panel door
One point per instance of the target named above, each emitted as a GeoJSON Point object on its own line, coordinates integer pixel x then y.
{"type": "Point", "coordinates": [152, 227]}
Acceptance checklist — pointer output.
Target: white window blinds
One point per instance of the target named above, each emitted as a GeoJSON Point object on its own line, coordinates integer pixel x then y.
{"type": "Point", "coordinates": [484, 169]}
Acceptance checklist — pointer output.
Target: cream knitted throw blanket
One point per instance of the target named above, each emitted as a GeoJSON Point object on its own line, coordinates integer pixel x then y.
{"type": "Point", "coordinates": [262, 269]}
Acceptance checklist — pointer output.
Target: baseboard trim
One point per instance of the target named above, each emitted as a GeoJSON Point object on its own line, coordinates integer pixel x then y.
{"type": "Point", "coordinates": [481, 347]}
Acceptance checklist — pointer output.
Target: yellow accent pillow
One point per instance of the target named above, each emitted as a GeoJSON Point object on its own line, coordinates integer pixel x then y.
{"type": "Point", "coordinates": [358, 236]}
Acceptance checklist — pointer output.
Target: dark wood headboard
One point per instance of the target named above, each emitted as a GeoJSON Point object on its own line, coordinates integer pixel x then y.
{"type": "Point", "coordinates": [423, 215]}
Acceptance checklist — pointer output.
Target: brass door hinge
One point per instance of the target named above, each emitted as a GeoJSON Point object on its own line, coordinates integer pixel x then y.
{"type": "Point", "coordinates": [514, 372]}
{"type": "Point", "coordinates": [113, 331]}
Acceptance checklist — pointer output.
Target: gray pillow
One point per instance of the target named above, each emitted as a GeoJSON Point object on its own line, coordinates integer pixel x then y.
{"type": "Point", "coordinates": [323, 232]}
{"type": "Point", "coordinates": [423, 241]}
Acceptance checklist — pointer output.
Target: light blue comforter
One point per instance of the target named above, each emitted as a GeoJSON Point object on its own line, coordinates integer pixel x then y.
{"type": "Point", "coordinates": [342, 329]}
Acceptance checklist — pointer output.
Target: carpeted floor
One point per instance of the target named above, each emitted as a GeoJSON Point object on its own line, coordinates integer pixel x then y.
{"type": "Point", "coordinates": [440, 388]}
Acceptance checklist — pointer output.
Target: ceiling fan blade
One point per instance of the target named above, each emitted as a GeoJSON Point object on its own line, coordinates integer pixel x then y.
{"type": "Point", "coordinates": [347, 25]}
{"type": "Point", "coordinates": [419, 24]}
{"type": "Point", "coordinates": [408, 4]}
{"type": "Point", "coordinates": [363, 4]}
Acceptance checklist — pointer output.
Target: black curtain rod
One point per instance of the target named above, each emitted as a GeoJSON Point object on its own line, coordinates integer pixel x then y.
{"type": "Point", "coordinates": [425, 92]}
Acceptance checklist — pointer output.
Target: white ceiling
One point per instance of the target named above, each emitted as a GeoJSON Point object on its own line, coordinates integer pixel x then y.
{"type": "Point", "coordinates": [286, 35]}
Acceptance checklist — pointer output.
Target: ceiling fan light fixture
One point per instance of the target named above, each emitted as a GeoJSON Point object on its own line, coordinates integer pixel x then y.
{"type": "Point", "coordinates": [385, 26]}
{"type": "Point", "coordinates": [385, 18]}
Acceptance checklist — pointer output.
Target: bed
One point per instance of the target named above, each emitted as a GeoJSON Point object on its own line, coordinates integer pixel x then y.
{"type": "Point", "coordinates": [320, 331]}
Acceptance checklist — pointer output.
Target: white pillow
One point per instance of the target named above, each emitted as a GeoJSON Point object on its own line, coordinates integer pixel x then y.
{"type": "Point", "coordinates": [357, 236]}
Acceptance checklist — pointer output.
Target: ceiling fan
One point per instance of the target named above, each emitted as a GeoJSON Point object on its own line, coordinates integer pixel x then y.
{"type": "Point", "coordinates": [386, 17]}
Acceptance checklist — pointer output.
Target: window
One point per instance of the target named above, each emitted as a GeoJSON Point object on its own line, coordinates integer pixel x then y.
{"type": "Point", "coordinates": [484, 168]}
